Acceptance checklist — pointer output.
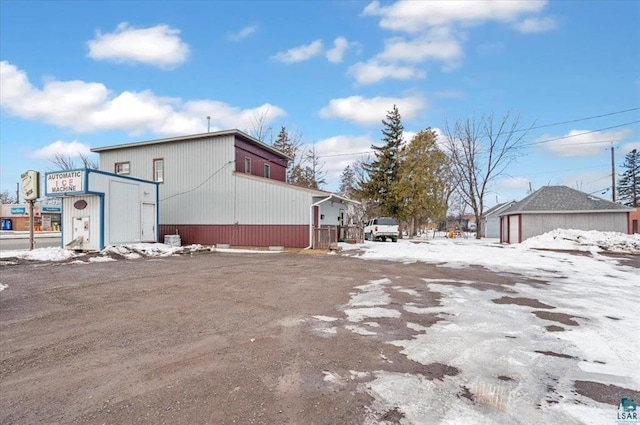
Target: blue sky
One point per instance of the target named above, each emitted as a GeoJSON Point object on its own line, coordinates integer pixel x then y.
{"type": "Point", "coordinates": [77, 75]}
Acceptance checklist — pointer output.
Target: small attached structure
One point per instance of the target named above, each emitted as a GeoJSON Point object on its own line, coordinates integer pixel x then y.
{"type": "Point", "coordinates": [490, 220]}
{"type": "Point", "coordinates": [560, 207]}
{"type": "Point", "coordinates": [101, 209]}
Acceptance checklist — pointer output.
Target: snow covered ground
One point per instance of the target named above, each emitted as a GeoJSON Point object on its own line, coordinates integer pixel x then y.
{"type": "Point", "coordinates": [517, 363]}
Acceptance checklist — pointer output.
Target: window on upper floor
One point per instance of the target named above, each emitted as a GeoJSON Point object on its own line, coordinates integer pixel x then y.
{"type": "Point", "coordinates": [247, 165]}
{"type": "Point", "coordinates": [158, 170]}
{"type": "Point", "coordinates": [267, 171]}
{"type": "Point", "coordinates": [122, 168]}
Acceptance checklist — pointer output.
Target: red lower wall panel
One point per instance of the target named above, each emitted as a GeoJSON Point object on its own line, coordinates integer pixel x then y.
{"type": "Point", "coordinates": [291, 236]}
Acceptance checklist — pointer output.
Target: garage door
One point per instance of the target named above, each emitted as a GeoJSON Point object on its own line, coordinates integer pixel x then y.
{"type": "Point", "coordinates": [514, 229]}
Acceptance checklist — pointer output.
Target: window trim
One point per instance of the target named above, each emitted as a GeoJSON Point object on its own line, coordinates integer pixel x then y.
{"type": "Point", "coordinates": [155, 171]}
{"type": "Point", "coordinates": [117, 164]}
{"type": "Point", "coordinates": [247, 165]}
{"type": "Point", "coordinates": [267, 171]}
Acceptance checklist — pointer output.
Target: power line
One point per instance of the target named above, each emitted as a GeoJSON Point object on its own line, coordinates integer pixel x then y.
{"type": "Point", "coordinates": [201, 184]}
{"type": "Point", "coordinates": [580, 119]}
{"type": "Point", "coordinates": [580, 134]}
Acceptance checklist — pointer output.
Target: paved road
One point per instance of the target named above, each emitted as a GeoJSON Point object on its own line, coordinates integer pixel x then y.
{"type": "Point", "coordinates": [10, 244]}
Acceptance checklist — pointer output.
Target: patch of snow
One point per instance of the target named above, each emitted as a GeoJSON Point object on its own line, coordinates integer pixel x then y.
{"type": "Point", "coordinates": [360, 314]}
{"type": "Point", "coordinates": [371, 295]}
{"type": "Point", "coordinates": [581, 240]}
{"type": "Point", "coordinates": [3, 286]}
{"type": "Point", "coordinates": [331, 376]}
{"type": "Point", "coordinates": [101, 259]}
{"type": "Point", "coordinates": [41, 254]}
{"type": "Point", "coordinates": [325, 318]}
{"type": "Point", "coordinates": [359, 330]}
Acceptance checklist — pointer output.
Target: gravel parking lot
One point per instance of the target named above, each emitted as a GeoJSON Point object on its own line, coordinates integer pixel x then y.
{"type": "Point", "coordinates": [209, 338]}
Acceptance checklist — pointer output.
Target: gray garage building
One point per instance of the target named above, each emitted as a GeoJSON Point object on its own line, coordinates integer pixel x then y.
{"type": "Point", "coordinates": [560, 207]}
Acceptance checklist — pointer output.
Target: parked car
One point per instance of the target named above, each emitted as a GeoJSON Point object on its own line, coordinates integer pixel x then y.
{"type": "Point", "coordinates": [381, 228]}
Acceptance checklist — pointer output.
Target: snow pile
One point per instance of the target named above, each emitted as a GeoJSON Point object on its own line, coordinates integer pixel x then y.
{"type": "Point", "coordinates": [581, 240]}
{"type": "Point", "coordinates": [40, 254]}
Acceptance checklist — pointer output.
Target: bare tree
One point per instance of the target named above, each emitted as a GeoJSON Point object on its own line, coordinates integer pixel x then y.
{"type": "Point", "coordinates": [259, 126]}
{"type": "Point", "coordinates": [7, 198]}
{"type": "Point", "coordinates": [66, 162]}
{"type": "Point", "coordinates": [479, 152]}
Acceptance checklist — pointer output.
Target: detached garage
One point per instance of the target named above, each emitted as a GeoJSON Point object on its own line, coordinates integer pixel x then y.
{"type": "Point", "coordinates": [101, 209]}
{"type": "Point", "coordinates": [560, 207]}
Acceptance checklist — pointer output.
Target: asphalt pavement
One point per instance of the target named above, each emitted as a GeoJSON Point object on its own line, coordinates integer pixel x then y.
{"type": "Point", "coordinates": [10, 240]}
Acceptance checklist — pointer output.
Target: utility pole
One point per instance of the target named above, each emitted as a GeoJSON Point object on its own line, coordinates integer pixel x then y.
{"type": "Point", "coordinates": [613, 176]}
{"type": "Point", "coordinates": [17, 192]}
{"type": "Point", "coordinates": [208, 124]}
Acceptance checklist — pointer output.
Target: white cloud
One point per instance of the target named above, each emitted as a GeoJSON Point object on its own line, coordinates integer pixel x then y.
{"type": "Point", "coordinates": [513, 183]}
{"type": "Point", "coordinates": [339, 151]}
{"type": "Point", "coordinates": [628, 147]}
{"type": "Point", "coordinates": [243, 33]}
{"type": "Point", "coordinates": [414, 16]}
{"type": "Point", "coordinates": [340, 46]}
{"type": "Point", "coordinates": [439, 44]}
{"type": "Point", "coordinates": [371, 111]}
{"type": "Point", "coordinates": [66, 149]}
{"type": "Point", "coordinates": [436, 30]}
{"type": "Point", "coordinates": [300, 53]}
{"type": "Point", "coordinates": [374, 71]}
{"type": "Point", "coordinates": [159, 46]}
{"type": "Point", "coordinates": [581, 144]}
{"type": "Point", "coordinates": [89, 107]}
{"type": "Point", "coordinates": [536, 24]}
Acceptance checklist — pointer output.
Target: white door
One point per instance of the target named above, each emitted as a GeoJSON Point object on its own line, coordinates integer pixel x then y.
{"type": "Point", "coordinates": [148, 227]}
{"type": "Point", "coordinates": [514, 229]}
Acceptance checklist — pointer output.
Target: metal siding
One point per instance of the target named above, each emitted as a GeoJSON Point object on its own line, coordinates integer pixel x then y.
{"type": "Point", "coordinates": [70, 212]}
{"type": "Point", "coordinates": [331, 212]}
{"type": "Point", "coordinates": [240, 235]}
{"type": "Point", "coordinates": [198, 175]}
{"type": "Point", "coordinates": [537, 224]}
{"type": "Point", "coordinates": [262, 202]}
{"type": "Point", "coordinates": [124, 213]}
{"type": "Point", "coordinates": [492, 229]}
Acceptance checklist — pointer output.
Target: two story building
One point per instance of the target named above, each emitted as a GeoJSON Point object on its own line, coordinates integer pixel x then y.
{"type": "Point", "coordinates": [227, 187]}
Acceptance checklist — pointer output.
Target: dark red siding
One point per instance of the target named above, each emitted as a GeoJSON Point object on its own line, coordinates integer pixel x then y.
{"type": "Point", "coordinates": [261, 235]}
{"type": "Point", "coordinates": [259, 157]}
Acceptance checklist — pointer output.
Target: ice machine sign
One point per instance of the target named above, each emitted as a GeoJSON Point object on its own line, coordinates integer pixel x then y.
{"type": "Point", "coordinates": [65, 182]}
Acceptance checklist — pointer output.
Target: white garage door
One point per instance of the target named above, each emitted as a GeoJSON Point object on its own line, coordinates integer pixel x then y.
{"type": "Point", "coordinates": [514, 229]}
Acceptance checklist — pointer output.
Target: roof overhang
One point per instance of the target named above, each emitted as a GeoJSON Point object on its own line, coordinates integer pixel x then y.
{"type": "Point", "coordinates": [621, 210]}
{"type": "Point", "coordinates": [221, 133]}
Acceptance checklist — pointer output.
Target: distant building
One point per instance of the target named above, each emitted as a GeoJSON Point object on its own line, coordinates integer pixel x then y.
{"type": "Point", "coordinates": [226, 187]}
{"type": "Point", "coordinates": [490, 220]}
{"type": "Point", "coordinates": [46, 218]}
{"type": "Point", "coordinates": [560, 207]}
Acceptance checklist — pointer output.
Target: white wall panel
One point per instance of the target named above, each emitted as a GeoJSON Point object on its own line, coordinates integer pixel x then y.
{"type": "Point", "coordinates": [92, 210]}
{"type": "Point", "coordinates": [198, 183]}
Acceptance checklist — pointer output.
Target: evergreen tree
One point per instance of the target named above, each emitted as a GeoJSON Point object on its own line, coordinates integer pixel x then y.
{"type": "Point", "coordinates": [382, 171]}
{"type": "Point", "coordinates": [424, 182]}
{"type": "Point", "coordinates": [629, 185]}
{"type": "Point", "coordinates": [289, 146]}
{"type": "Point", "coordinates": [347, 182]}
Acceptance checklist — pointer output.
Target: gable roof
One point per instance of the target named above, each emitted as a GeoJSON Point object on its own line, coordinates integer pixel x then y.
{"type": "Point", "coordinates": [213, 134]}
{"type": "Point", "coordinates": [498, 208]}
{"type": "Point", "coordinates": [562, 199]}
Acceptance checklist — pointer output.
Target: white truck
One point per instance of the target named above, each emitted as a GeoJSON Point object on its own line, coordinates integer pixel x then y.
{"type": "Point", "coordinates": [381, 228]}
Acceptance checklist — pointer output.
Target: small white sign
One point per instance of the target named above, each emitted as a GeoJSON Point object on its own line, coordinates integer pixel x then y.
{"type": "Point", "coordinates": [65, 182]}
{"type": "Point", "coordinates": [30, 185]}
